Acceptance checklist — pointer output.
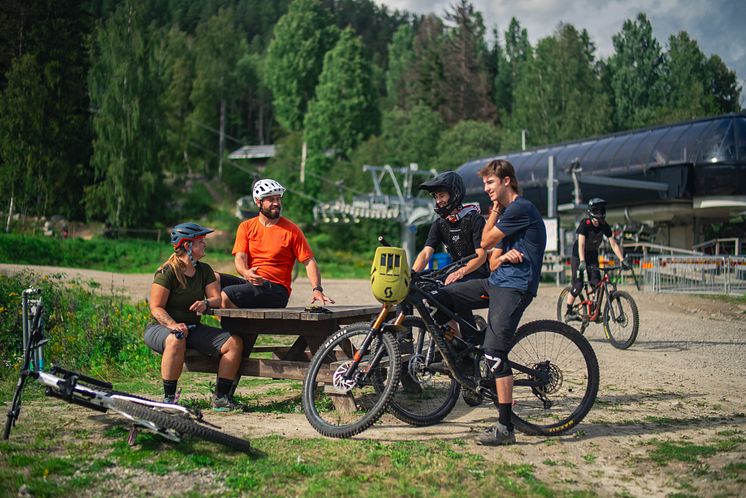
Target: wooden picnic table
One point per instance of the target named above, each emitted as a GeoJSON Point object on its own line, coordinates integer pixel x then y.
{"type": "Point", "coordinates": [287, 362]}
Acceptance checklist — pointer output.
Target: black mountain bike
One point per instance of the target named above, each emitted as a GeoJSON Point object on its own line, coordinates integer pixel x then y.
{"type": "Point", "coordinates": [604, 303]}
{"type": "Point", "coordinates": [170, 421]}
{"type": "Point", "coordinates": [411, 368]}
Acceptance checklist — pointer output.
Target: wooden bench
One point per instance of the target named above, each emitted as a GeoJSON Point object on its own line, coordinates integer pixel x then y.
{"type": "Point", "coordinates": [287, 362]}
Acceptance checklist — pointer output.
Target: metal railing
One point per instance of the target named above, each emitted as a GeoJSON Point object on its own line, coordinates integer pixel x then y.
{"type": "Point", "coordinates": [732, 245]}
{"type": "Point", "coordinates": [695, 274]}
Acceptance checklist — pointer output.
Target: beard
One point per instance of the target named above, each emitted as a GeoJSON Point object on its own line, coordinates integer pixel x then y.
{"type": "Point", "coordinates": [270, 213]}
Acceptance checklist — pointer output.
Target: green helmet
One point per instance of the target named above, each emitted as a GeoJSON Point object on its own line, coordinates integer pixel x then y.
{"type": "Point", "coordinates": [389, 275]}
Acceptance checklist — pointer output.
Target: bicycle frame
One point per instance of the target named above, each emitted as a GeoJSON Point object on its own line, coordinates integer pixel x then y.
{"type": "Point", "coordinates": [604, 289]}
{"type": "Point", "coordinates": [417, 298]}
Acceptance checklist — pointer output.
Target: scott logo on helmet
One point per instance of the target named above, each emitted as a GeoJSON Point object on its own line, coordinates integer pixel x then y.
{"type": "Point", "coordinates": [388, 292]}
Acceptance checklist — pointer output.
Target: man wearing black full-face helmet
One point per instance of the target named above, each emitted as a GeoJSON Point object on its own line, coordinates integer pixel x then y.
{"type": "Point", "coordinates": [458, 227]}
{"type": "Point", "coordinates": [591, 232]}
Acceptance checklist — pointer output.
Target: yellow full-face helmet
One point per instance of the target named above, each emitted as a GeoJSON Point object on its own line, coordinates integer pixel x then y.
{"type": "Point", "coordinates": [389, 275]}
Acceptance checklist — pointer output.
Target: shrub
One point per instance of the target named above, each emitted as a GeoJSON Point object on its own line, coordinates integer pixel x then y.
{"type": "Point", "coordinates": [100, 335]}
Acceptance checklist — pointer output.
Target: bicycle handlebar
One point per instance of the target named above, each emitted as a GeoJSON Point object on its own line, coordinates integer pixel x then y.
{"type": "Point", "coordinates": [609, 269]}
{"type": "Point", "coordinates": [433, 275]}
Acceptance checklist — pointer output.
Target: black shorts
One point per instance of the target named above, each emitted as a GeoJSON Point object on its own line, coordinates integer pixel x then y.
{"type": "Point", "coordinates": [462, 298]}
{"type": "Point", "coordinates": [246, 295]}
{"type": "Point", "coordinates": [206, 340]}
{"type": "Point", "coordinates": [506, 309]}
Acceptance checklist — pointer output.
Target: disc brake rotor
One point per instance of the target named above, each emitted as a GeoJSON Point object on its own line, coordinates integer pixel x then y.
{"type": "Point", "coordinates": [341, 383]}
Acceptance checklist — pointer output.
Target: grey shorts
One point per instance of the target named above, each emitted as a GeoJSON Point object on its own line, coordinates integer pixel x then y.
{"type": "Point", "coordinates": [206, 340]}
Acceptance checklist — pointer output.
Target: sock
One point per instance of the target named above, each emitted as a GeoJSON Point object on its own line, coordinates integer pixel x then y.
{"type": "Point", "coordinates": [505, 411]}
{"type": "Point", "coordinates": [169, 387]}
{"type": "Point", "coordinates": [223, 387]}
{"type": "Point", "coordinates": [569, 308]}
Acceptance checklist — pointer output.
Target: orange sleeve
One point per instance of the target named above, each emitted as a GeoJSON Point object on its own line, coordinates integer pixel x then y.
{"type": "Point", "coordinates": [241, 243]}
{"type": "Point", "coordinates": [300, 246]}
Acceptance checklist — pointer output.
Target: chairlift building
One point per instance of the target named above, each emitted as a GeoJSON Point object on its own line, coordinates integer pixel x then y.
{"type": "Point", "coordinates": [677, 177]}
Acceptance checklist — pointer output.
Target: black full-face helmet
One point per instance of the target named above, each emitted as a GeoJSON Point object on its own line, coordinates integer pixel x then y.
{"type": "Point", "coordinates": [450, 182]}
{"type": "Point", "coordinates": [597, 209]}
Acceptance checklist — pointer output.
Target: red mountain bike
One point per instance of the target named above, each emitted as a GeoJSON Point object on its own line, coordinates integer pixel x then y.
{"type": "Point", "coordinates": [604, 303]}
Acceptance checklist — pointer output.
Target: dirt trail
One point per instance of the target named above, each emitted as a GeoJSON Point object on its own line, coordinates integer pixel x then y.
{"type": "Point", "coordinates": [682, 382]}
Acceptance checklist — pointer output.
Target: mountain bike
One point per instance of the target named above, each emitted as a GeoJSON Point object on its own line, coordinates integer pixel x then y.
{"type": "Point", "coordinates": [170, 421]}
{"type": "Point", "coordinates": [556, 373]}
{"type": "Point", "coordinates": [604, 303]}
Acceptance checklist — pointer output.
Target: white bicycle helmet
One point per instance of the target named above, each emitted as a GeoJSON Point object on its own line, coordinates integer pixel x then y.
{"type": "Point", "coordinates": [267, 187]}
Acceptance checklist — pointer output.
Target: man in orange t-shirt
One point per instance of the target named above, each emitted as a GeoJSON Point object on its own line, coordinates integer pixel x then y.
{"type": "Point", "coordinates": [265, 252]}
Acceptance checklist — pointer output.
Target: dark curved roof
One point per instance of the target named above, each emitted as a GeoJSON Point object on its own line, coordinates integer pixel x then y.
{"type": "Point", "coordinates": [713, 140]}
{"type": "Point", "coordinates": [703, 143]}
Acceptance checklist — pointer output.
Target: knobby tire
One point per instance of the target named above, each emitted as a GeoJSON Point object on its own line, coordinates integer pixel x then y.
{"type": "Point", "coordinates": [618, 340]}
{"type": "Point", "coordinates": [428, 402]}
{"type": "Point", "coordinates": [370, 398]}
{"type": "Point", "coordinates": [180, 424]}
{"type": "Point", "coordinates": [575, 377]}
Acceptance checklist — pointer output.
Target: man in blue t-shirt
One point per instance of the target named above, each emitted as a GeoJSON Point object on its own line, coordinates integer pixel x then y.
{"type": "Point", "coordinates": [521, 236]}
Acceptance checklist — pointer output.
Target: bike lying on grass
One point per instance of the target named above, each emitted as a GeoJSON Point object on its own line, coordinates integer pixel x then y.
{"type": "Point", "coordinates": [604, 303]}
{"type": "Point", "coordinates": [556, 374]}
{"type": "Point", "coordinates": [170, 421]}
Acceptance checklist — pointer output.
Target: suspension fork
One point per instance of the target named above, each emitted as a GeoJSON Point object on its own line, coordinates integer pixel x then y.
{"type": "Point", "coordinates": [374, 331]}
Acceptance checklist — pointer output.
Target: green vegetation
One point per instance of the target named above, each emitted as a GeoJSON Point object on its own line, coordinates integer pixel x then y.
{"type": "Point", "coordinates": [144, 256]}
{"type": "Point", "coordinates": [176, 86]}
{"type": "Point", "coordinates": [278, 467]}
{"type": "Point", "coordinates": [101, 335]}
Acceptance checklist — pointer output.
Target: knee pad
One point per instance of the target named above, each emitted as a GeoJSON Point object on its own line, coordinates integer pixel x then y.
{"type": "Point", "coordinates": [497, 363]}
{"type": "Point", "coordinates": [576, 289]}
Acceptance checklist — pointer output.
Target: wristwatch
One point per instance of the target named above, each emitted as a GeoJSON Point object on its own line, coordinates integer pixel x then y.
{"type": "Point", "coordinates": [207, 303]}
{"type": "Point", "coordinates": [318, 288]}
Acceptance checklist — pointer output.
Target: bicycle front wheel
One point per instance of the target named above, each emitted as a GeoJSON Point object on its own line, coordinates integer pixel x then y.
{"type": "Point", "coordinates": [562, 303]}
{"type": "Point", "coordinates": [179, 424]}
{"type": "Point", "coordinates": [560, 351]}
{"type": "Point", "coordinates": [425, 396]}
{"type": "Point", "coordinates": [338, 405]}
{"type": "Point", "coordinates": [621, 320]}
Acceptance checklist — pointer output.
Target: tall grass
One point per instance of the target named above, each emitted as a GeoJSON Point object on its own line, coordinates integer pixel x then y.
{"type": "Point", "coordinates": [100, 335]}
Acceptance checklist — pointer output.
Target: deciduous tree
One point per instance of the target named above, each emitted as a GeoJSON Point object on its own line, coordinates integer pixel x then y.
{"type": "Point", "coordinates": [295, 59]}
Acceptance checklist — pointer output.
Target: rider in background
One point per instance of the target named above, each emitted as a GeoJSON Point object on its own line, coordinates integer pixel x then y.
{"type": "Point", "coordinates": [591, 232]}
{"type": "Point", "coordinates": [458, 227]}
{"type": "Point", "coordinates": [183, 288]}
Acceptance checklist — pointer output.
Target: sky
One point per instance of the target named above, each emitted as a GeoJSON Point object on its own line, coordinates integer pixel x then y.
{"type": "Point", "coordinates": [717, 25]}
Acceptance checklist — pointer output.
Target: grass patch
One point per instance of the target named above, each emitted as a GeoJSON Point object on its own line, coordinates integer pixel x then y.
{"type": "Point", "coordinates": [667, 451]}
{"type": "Point", "coordinates": [144, 256]}
{"type": "Point", "coordinates": [279, 467]}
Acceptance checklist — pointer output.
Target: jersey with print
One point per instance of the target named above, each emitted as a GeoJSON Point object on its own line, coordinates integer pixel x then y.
{"type": "Point", "coordinates": [461, 238]}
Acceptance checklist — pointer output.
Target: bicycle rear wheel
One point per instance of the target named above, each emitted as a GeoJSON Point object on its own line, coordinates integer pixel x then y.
{"type": "Point", "coordinates": [337, 407]}
{"type": "Point", "coordinates": [424, 396]}
{"type": "Point", "coordinates": [562, 352]}
{"type": "Point", "coordinates": [621, 320]}
{"type": "Point", "coordinates": [179, 424]}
